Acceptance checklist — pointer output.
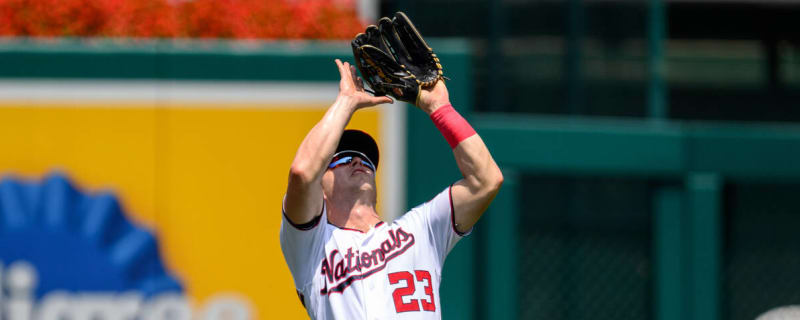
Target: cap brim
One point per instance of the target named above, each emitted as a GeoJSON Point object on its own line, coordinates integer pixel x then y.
{"type": "Point", "coordinates": [359, 141]}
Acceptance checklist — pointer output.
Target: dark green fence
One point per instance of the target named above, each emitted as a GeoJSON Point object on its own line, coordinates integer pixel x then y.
{"type": "Point", "coordinates": [643, 179]}
{"type": "Point", "coordinates": [620, 219]}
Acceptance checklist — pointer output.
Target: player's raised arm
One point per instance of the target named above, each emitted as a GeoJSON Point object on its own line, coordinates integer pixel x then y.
{"type": "Point", "coordinates": [397, 61]}
{"type": "Point", "coordinates": [482, 177]}
{"type": "Point", "coordinates": [304, 192]}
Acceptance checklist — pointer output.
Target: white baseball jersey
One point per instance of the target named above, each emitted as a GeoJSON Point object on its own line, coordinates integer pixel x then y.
{"type": "Point", "coordinates": [392, 271]}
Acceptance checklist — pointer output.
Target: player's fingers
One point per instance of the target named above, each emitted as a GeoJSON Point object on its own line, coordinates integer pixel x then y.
{"type": "Point", "coordinates": [343, 72]}
{"type": "Point", "coordinates": [355, 77]}
{"type": "Point", "coordinates": [382, 99]}
{"type": "Point", "coordinates": [360, 83]}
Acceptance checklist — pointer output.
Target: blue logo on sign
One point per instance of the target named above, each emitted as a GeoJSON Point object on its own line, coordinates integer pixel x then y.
{"type": "Point", "coordinates": [78, 241]}
{"type": "Point", "coordinates": [56, 240]}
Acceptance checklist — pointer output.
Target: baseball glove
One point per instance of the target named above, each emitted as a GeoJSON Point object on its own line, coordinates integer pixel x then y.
{"type": "Point", "coordinates": [395, 60]}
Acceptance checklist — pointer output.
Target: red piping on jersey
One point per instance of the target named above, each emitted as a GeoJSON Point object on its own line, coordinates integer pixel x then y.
{"type": "Point", "coordinates": [351, 229]}
{"type": "Point", "coordinates": [453, 213]}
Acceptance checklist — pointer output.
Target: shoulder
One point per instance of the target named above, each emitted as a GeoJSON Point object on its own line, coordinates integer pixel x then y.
{"type": "Point", "coordinates": [442, 201]}
{"type": "Point", "coordinates": [411, 218]}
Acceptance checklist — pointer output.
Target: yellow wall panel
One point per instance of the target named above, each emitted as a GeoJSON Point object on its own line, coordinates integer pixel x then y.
{"type": "Point", "coordinates": [100, 148]}
{"type": "Point", "coordinates": [209, 181]}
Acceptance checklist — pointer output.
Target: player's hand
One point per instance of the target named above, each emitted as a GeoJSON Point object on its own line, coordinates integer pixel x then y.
{"type": "Point", "coordinates": [351, 86]}
{"type": "Point", "coordinates": [432, 98]}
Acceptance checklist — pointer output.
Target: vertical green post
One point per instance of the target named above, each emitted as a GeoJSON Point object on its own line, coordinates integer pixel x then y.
{"type": "Point", "coordinates": [408, 7]}
{"type": "Point", "coordinates": [704, 191]}
{"type": "Point", "coordinates": [574, 68]}
{"type": "Point", "coordinates": [668, 250]}
{"type": "Point", "coordinates": [657, 33]}
{"type": "Point", "coordinates": [501, 250]}
{"type": "Point", "coordinates": [497, 81]}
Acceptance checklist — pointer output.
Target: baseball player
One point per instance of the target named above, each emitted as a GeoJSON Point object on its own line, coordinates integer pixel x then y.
{"type": "Point", "coordinates": [346, 262]}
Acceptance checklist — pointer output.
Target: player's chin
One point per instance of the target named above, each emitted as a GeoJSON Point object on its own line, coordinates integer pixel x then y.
{"type": "Point", "coordinates": [361, 179]}
{"type": "Point", "coordinates": [366, 184]}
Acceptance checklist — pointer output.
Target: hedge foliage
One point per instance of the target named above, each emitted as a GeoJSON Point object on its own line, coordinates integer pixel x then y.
{"type": "Point", "coordinates": [241, 19]}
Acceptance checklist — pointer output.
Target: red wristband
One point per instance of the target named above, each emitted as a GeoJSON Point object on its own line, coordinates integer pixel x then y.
{"type": "Point", "coordinates": [452, 125]}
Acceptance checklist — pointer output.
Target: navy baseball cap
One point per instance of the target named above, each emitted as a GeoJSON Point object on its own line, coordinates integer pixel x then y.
{"type": "Point", "coordinates": [357, 140]}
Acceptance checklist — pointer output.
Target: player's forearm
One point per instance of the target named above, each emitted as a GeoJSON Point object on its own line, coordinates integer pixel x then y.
{"type": "Point", "coordinates": [320, 143]}
{"type": "Point", "coordinates": [481, 174]}
{"type": "Point", "coordinates": [471, 195]}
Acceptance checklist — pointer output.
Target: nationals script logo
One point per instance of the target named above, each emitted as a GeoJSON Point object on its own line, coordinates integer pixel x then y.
{"type": "Point", "coordinates": [337, 270]}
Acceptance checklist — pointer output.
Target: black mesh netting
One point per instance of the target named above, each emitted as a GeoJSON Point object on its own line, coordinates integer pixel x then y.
{"type": "Point", "coordinates": [587, 249]}
{"type": "Point", "coordinates": [762, 253]}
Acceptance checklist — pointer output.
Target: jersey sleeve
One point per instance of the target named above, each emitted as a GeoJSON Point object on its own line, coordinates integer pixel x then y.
{"type": "Point", "coordinates": [437, 217]}
{"type": "Point", "coordinates": [301, 245]}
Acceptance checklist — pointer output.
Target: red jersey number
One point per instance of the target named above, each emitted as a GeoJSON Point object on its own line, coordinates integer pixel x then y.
{"type": "Point", "coordinates": [413, 304]}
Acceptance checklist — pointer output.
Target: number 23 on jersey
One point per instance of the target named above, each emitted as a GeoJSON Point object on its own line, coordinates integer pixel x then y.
{"type": "Point", "coordinates": [422, 276]}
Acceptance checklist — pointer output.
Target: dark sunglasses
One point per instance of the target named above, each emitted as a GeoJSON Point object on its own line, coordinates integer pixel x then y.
{"type": "Point", "coordinates": [347, 156]}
